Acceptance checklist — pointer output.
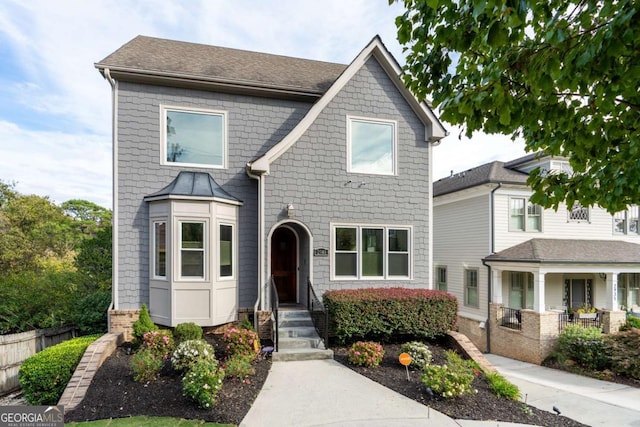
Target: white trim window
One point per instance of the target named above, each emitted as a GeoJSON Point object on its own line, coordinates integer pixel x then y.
{"type": "Point", "coordinates": [524, 219]}
{"type": "Point", "coordinates": [371, 146]}
{"type": "Point", "coordinates": [471, 297]}
{"type": "Point", "coordinates": [193, 137]}
{"type": "Point", "coordinates": [441, 278]}
{"type": "Point", "coordinates": [626, 222]}
{"type": "Point", "coordinates": [371, 252]}
{"type": "Point", "coordinates": [521, 290]}
{"type": "Point", "coordinates": [225, 253]}
{"type": "Point", "coordinates": [192, 249]}
{"type": "Point", "coordinates": [159, 245]}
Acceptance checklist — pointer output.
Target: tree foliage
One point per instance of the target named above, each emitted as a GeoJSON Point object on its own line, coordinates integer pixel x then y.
{"type": "Point", "coordinates": [561, 74]}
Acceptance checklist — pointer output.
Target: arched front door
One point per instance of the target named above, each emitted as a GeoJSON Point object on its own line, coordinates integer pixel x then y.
{"type": "Point", "coordinates": [284, 264]}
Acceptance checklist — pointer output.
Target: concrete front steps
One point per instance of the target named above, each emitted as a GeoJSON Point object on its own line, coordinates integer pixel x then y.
{"type": "Point", "coordinates": [297, 337]}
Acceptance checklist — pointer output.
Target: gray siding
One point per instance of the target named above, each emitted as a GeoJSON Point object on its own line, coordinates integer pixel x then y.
{"type": "Point", "coordinates": [255, 124]}
{"type": "Point", "coordinates": [313, 176]}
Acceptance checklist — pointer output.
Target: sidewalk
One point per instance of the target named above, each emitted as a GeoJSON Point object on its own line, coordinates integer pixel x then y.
{"type": "Point", "coordinates": [587, 400]}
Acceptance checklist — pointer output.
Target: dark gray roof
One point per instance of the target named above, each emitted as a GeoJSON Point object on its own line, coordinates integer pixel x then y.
{"type": "Point", "coordinates": [193, 184]}
{"type": "Point", "coordinates": [570, 251]}
{"type": "Point", "coordinates": [494, 172]}
{"type": "Point", "coordinates": [175, 59]}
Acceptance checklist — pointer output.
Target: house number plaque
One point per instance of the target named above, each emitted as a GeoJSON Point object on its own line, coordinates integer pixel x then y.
{"type": "Point", "coordinates": [322, 252]}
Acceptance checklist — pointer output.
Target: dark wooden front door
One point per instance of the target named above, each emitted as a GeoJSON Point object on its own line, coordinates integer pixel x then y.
{"type": "Point", "coordinates": [284, 264]}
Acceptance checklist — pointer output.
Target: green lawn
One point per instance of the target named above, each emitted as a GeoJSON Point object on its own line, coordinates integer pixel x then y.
{"type": "Point", "coordinates": [147, 422]}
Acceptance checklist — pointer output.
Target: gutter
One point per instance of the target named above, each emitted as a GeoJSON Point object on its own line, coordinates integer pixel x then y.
{"type": "Point", "coordinates": [489, 272]}
{"type": "Point", "coordinates": [114, 221]}
{"type": "Point", "coordinates": [261, 267]}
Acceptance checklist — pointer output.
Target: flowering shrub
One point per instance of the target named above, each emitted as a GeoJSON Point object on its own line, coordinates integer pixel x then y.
{"type": "Point", "coordinates": [146, 366]}
{"type": "Point", "coordinates": [189, 352]}
{"type": "Point", "coordinates": [452, 379]}
{"type": "Point", "coordinates": [366, 353]}
{"type": "Point", "coordinates": [160, 343]}
{"type": "Point", "coordinates": [419, 352]}
{"type": "Point", "coordinates": [242, 341]}
{"type": "Point", "coordinates": [239, 366]}
{"type": "Point", "coordinates": [203, 382]}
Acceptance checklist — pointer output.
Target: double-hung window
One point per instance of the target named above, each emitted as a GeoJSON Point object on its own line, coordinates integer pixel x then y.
{"type": "Point", "coordinates": [226, 250]}
{"type": "Point", "coordinates": [192, 249]}
{"type": "Point", "coordinates": [370, 252]}
{"type": "Point", "coordinates": [193, 137]}
{"type": "Point", "coordinates": [441, 278]}
{"type": "Point", "coordinates": [524, 215]}
{"type": "Point", "coordinates": [371, 146]}
{"type": "Point", "coordinates": [626, 222]}
{"type": "Point", "coordinates": [471, 287]}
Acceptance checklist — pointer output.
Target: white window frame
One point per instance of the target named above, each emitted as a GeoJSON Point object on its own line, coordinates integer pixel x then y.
{"type": "Point", "coordinates": [167, 249]}
{"type": "Point", "coordinates": [525, 216]}
{"type": "Point", "coordinates": [627, 217]}
{"type": "Point", "coordinates": [577, 206]}
{"type": "Point", "coordinates": [466, 287]}
{"type": "Point", "coordinates": [234, 243]}
{"type": "Point", "coordinates": [359, 249]}
{"type": "Point", "coordinates": [192, 110]}
{"type": "Point", "coordinates": [394, 161]}
{"type": "Point", "coordinates": [441, 270]}
{"type": "Point", "coordinates": [205, 250]}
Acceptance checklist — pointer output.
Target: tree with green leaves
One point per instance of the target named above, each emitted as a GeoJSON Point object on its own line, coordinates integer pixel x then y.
{"type": "Point", "coordinates": [560, 74]}
{"type": "Point", "coordinates": [87, 216]}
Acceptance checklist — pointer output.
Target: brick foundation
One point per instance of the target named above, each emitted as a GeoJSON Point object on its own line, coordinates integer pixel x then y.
{"type": "Point", "coordinates": [473, 331]}
{"type": "Point", "coordinates": [264, 325]}
{"type": "Point", "coordinates": [122, 321]}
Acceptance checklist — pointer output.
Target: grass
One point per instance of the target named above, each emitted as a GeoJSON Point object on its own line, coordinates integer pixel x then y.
{"type": "Point", "coordinates": [147, 422]}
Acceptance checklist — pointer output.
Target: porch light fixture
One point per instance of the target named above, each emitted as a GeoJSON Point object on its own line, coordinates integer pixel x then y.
{"type": "Point", "coordinates": [603, 276]}
{"type": "Point", "coordinates": [291, 211]}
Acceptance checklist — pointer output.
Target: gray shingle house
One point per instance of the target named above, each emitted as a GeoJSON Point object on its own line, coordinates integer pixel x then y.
{"type": "Point", "coordinates": [232, 167]}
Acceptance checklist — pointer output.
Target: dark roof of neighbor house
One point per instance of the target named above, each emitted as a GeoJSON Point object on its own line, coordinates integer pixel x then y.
{"type": "Point", "coordinates": [145, 57]}
{"type": "Point", "coordinates": [493, 172]}
{"type": "Point", "coordinates": [572, 251]}
{"type": "Point", "coordinates": [193, 184]}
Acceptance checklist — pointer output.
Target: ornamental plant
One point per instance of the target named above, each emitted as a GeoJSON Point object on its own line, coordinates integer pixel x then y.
{"type": "Point", "coordinates": [190, 352]}
{"type": "Point", "coordinates": [143, 325]}
{"type": "Point", "coordinates": [501, 387]}
{"type": "Point", "coordinates": [203, 382]}
{"type": "Point", "coordinates": [585, 346]}
{"type": "Point", "coordinates": [146, 366]}
{"type": "Point", "coordinates": [187, 331]}
{"type": "Point", "coordinates": [419, 352]}
{"type": "Point", "coordinates": [241, 341]}
{"type": "Point", "coordinates": [366, 353]}
{"type": "Point", "coordinates": [159, 343]}
{"type": "Point", "coordinates": [450, 380]}
{"type": "Point", "coordinates": [239, 366]}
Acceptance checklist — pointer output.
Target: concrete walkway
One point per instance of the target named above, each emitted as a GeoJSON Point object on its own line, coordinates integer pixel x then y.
{"type": "Point", "coordinates": [589, 401]}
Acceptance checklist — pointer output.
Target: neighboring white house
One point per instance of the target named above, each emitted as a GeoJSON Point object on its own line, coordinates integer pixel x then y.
{"type": "Point", "coordinates": [520, 271]}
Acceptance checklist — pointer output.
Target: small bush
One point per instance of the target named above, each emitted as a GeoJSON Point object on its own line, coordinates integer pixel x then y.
{"type": "Point", "coordinates": [44, 376]}
{"type": "Point", "coordinates": [241, 341]}
{"type": "Point", "coordinates": [143, 325]}
{"type": "Point", "coordinates": [622, 349]}
{"type": "Point", "coordinates": [188, 353]}
{"type": "Point", "coordinates": [203, 382]}
{"type": "Point", "coordinates": [450, 380]}
{"type": "Point", "coordinates": [159, 343]}
{"type": "Point", "coordinates": [632, 322]}
{"type": "Point", "coordinates": [366, 353]}
{"type": "Point", "coordinates": [146, 366]}
{"type": "Point", "coordinates": [239, 367]}
{"type": "Point", "coordinates": [187, 331]}
{"type": "Point", "coordinates": [501, 387]}
{"type": "Point", "coordinates": [585, 346]}
{"type": "Point", "coordinates": [419, 352]}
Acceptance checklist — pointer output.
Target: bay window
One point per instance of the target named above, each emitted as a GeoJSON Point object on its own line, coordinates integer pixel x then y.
{"type": "Point", "coordinates": [192, 249]}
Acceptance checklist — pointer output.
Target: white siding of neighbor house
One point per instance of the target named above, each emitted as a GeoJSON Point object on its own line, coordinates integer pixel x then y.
{"type": "Point", "coordinates": [461, 238]}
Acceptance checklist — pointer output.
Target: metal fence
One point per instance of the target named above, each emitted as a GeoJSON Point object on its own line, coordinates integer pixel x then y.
{"type": "Point", "coordinates": [586, 321]}
{"type": "Point", "coordinates": [511, 318]}
{"type": "Point", "coordinates": [319, 314]}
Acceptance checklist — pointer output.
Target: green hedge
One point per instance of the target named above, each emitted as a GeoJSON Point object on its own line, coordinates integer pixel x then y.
{"type": "Point", "coordinates": [381, 313]}
{"type": "Point", "coordinates": [44, 376]}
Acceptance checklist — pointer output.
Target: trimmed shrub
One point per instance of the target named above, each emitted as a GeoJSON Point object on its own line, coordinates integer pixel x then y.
{"type": "Point", "coordinates": [450, 380]}
{"type": "Point", "coordinates": [143, 325]}
{"type": "Point", "coordinates": [239, 367]}
{"type": "Point", "coordinates": [419, 352]}
{"type": "Point", "coordinates": [146, 366]}
{"type": "Point", "coordinates": [187, 331]}
{"type": "Point", "coordinates": [380, 313]}
{"type": "Point", "coordinates": [44, 376]}
{"type": "Point", "coordinates": [501, 387]}
{"type": "Point", "coordinates": [203, 382]}
{"type": "Point", "coordinates": [188, 353]}
{"type": "Point", "coordinates": [632, 322]}
{"type": "Point", "coordinates": [366, 353]}
{"type": "Point", "coordinates": [159, 343]}
{"type": "Point", "coordinates": [585, 346]}
{"type": "Point", "coordinates": [241, 341]}
{"type": "Point", "coordinates": [622, 349]}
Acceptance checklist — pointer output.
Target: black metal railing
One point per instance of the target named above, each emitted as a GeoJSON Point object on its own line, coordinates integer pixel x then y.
{"type": "Point", "coordinates": [319, 314]}
{"type": "Point", "coordinates": [274, 304]}
{"type": "Point", "coordinates": [511, 318]}
{"type": "Point", "coordinates": [584, 320]}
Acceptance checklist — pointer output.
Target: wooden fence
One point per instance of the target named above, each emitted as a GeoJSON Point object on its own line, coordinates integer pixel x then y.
{"type": "Point", "coordinates": [15, 348]}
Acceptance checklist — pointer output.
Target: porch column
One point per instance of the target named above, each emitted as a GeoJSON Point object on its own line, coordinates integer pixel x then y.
{"type": "Point", "coordinates": [496, 284]}
{"type": "Point", "coordinates": [538, 292]}
{"type": "Point", "coordinates": [611, 303]}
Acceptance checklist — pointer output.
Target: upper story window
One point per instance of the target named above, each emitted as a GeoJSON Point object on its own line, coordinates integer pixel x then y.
{"type": "Point", "coordinates": [370, 252]}
{"type": "Point", "coordinates": [578, 213]}
{"type": "Point", "coordinates": [524, 215]}
{"type": "Point", "coordinates": [626, 222]}
{"type": "Point", "coordinates": [471, 287]}
{"type": "Point", "coordinates": [441, 278]}
{"type": "Point", "coordinates": [371, 146]}
{"type": "Point", "coordinates": [193, 137]}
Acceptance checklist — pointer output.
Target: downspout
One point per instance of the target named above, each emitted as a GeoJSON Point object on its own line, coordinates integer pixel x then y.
{"type": "Point", "coordinates": [114, 182]}
{"type": "Point", "coordinates": [492, 241]}
{"type": "Point", "coordinates": [259, 303]}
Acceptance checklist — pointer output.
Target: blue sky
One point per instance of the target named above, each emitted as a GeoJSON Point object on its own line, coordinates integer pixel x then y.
{"type": "Point", "coordinates": [55, 108]}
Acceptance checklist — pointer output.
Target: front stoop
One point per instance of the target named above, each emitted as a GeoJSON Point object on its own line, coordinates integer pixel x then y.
{"type": "Point", "coordinates": [298, 339]}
